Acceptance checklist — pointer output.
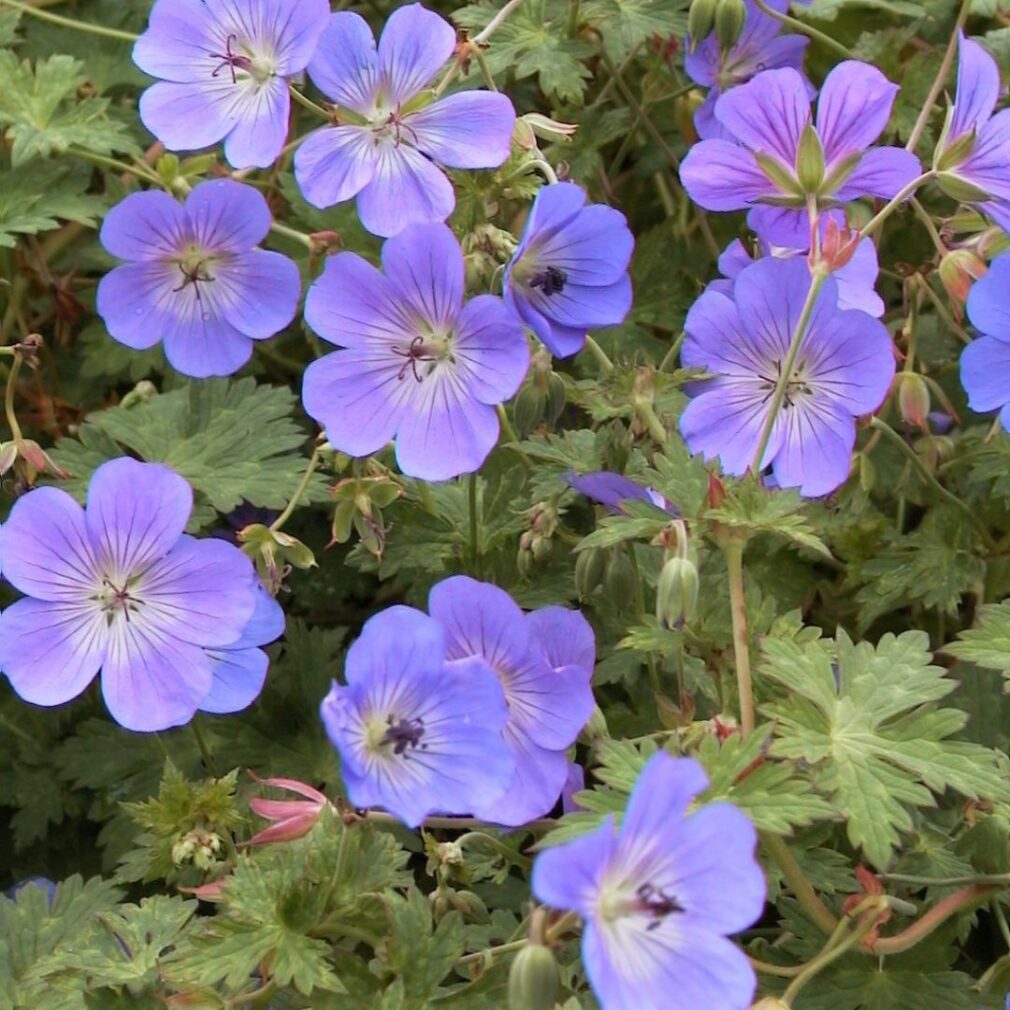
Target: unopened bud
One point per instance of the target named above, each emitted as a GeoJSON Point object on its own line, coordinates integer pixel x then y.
{"type": "Point", "coordinates": [620, 580]}
{"type": "Point", "coordinates": [958, 269]}
{"type": "Point", "coordinates": [528, 409]}
{"type": "Point", "coordinates": [838, 246]}
{"type": "Point", "coordinates": [700, 20]}
{"type": "Point", "coordinates": [555, 398]}
{"type": "Point", "coordinates": [913, 399]}
{"type": "Point", "coordinates": [142, 392]}
{"type": "Point", "coordinates": [729, 18]}
{"type": "Point", "coordinates": [677, 592]}
{"type": "Point", "coordinates": [533, 979]}
{"type": "Point", "coordinates": [810, 160]}
{"type": "Point", "coordinates": [549, 129]}
{"type": "Point", "coordinates": [590, 566]}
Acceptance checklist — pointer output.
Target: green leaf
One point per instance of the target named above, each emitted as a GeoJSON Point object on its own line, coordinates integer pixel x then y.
{"type": "Point", "coordinates": [988, 643]}
{"type": "Point", "coordinates": [870, 987]}
{"type": "Point", "coordinates": [39, 106]}
{"type": "Point", "coordinates": [865, 720]}
{"type": "Point", "coordinates": [39, 195]}
{"type": "Point", "coordinates": [756, 509]}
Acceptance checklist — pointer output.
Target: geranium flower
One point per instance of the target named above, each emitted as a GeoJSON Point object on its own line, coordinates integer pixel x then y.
{"type": "Point", "coordinates": [843, 369]}
{"type": "Point", "coordinates": [659, 897]}
{"type": "Point", "coordinates": [972, 154]}
{"type": "Point", "coordinates": [118, 588]}
{"type": "Point", "coordinates": [196, 280]}
{"type": "Point", "coordinates": [760, 47]}
{"type": "Point", "coordinates": [417, 363]}
{"type": "Point", "coordinates": [760, 167]}
{"type": "Point", "coordinates": [391, 140]}
{"type": "Point", "coordinates": [985, 362]}
{"type": "Point", "coordinates": [544, 661]}
{"type": "Point", "coordinates": [417, 733]}
{"type": "Point", "coordinates": [224, 67]}
{"type": "Point", "coordinates": [570, 271]}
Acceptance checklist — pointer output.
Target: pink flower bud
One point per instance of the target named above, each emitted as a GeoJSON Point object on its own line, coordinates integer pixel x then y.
{"type": "Point", "coordinates": [292, 818]}
{"type": "Point", "coordinates": [958, 269]}
{"type": "Point", "coordinates": [837, 247]}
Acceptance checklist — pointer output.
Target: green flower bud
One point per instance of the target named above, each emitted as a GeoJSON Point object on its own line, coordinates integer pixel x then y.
{"type": "Point", "coordinates": [677, 592]}
{"type": "Point", "coordinates": [729, 18]}
{"type": "Point", "coordinates": [620, 580]}
{"type": "Point", "coordinates": [555, 398]}
{"type": "Point", "coordinates": [528, 409]}
{"type": "Point", "coordinates": [700, 20]}
{"type": "Point", "coordinates": [867, 473]}
{"type": "Point", "coordinates": [810, 161]}
{"type": "Point", "coordinates": [590, 566]}
{"type": "Point", "coordinates": [960, 189]}
{"type": "Point", "coordinates": [533, 979]}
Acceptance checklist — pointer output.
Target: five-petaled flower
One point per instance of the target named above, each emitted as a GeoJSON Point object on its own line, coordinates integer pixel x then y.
{"type": "Point", "coordinates": [417, 364]}
{"type": "Point", "coordinates": [569, 273]}
{"type": "Point", "coordinates": [118, 588]}
{"type": "Point", "coordinates": [224, 68]}
{"type": "Point", "coordinates": [195, 279]}
{"type": "Point", "coordinates": [778, 159]}
{"type": "Point", "coordinates": [417, 733]}
{"type": "Point", "coordinates": [659, 897]}
{"type": "Point", "coordinates": [842, 370]}
{"type": "Point", "coordinates": [391, 139]}
{"type": "Point", "coordinates": [544, 661]}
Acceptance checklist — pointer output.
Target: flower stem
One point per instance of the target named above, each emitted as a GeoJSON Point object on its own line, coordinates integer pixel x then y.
{"type": "Point", "coordinates": [965, 900]}
{"type": "Point", "coordinates": [80, 26]}
{"type": "Point", "coordinates": [920, 468]}
{"type": "Point", "coordinates": [497, 21]}
{"type": "Point", "coordinates": [805, 29]}
{"type": "Point", "coordinates": [292, 233]}
{"type": "Point", "coordinates": [474, 523]}
{"type": "Point", "coordinates": [797, 881]}
{"type": "Point", "coordinates": [941, 76]}
{"type": "Point", "coordinates": [888, 209]}
{"type": "Point", "coordinates": [670, 358]}
{"type": "Point", "coordinates": [201, 743]}
{"type": "Point", "coordinates": [305, 103]}
{"type": "Point", "coordinates": [12, 378]}
{"type": "Point", "coordinates": [120, 166]}
{"type": "Point", "coordinates": [733, 551]}
{"type": "Point", "coordinates": [786, 368]}
{"type": "Point", "coordinates": [303, 485]}
{"type": "Point", "coordinates": [601, 356]}
{"type": "Point", "coordinates": [573, 18]}
{"type": "Point", "coordinates": [927, 223]}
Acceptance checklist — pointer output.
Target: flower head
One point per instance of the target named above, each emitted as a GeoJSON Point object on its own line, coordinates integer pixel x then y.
{"type": "Point", "coordinates": [973, 154]}
{"type": "Point", "coordinates": [386, 152]}
{"type": "Point", "coordinates": [417, 733]}
{"type": "Point", "coordinates": [985, 362]}
{"type": "Point", "coordinates": [195, 279]}
{"type": "Point", "coordinates": [570, 271]}
{"type": "Point", "coordinates": [760, 47]}
{"type": "Point", "coordinates": [417, 364]}
{"type": "Point", "coordinates": [843, 369]}
{"type": "Point", "coordinates": [659, 897]}
{"type": "Point", "coordinates": [778, 156]}
{"type": "Point", "coordinates": [544, 661]}
{"type": "Point", "coordinates": [119, 588]}
{"type": "Point", "coordinates": [224, 69]}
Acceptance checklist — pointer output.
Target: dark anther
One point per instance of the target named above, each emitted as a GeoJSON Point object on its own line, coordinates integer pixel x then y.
{"type": "Point", "coordinates": [552, 280]}
{"type": "Point", "coordinates": [196, 276]}
{"type": "Point", "coordinates": [404, 733]}
{"type": "Point", "coordinates": [657, 904]}
{"type": "Point", "coordinates": [414, 353]}
{"type": "Point", "coordinates": [231, 60]}
{"type": "Point", "coordinates": [395, 121]}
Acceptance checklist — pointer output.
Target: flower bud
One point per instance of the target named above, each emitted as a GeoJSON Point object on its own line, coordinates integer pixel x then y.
{"type": "Point", "coordinates": [556, 394]}
{"type": "Point", "coordinates": [590, 566]}
{"type": "Point", "coordinates": [867, 473]}
{"type": "Point", "coordinates": [700, 20]}
{"type": "Point", "coordinates": [810, 160]}
{"type": "Point", "coordinates": [957, 270]}
{"type": "Point", "coordinates": [549, 129]}
{"type": "Point", "coordinates": [913, 399]}
{"type": "Point", "coordinates": [837, 247]}
{"type": "Point", "coordinates": [533, 979]}
{"type": "Point", "coordinates": [528, 409]}
{"type": "Point", "coordinates": [620, 580]}
{"type": "Point", "coordinates": [729, 18]}
{"type": "Point", "coordinates": [677, 592]}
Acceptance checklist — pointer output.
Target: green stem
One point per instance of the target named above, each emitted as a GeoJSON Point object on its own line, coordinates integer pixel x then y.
{"type": "Point", "coordinates": [119, 166]}
{"type": "Point", "coordinates": [802, 889]}
{"type": "Point", "coordinates": [201, 743]}
{"type": "Point", "coordinates": [942, 311]}
{"type": "Point", "coordinates": [805, 29]}
{"type": "Point", "coordinates": [305, 103]}
{"type": "Point", "coordinates": [502, 948]}
{"type": "Point", "coordinates": [497, 21]}
{"type": "Point", "coordinates": [733, 552]}
{"type": "Point", "coordinates": [573, 18]}
{"type": "Point", "coordinates": [505, 851]}
{"type": "Point", "coordinates": [966, 900]}
{"type": "Point", "coordinates": [999, 879]}
{"type": "Point", "coordinates": [12, 379]}
{"type": "Point", "coordinates": [474, 523]}
{"type": "Point", "coordinates": [18, 731]}
{"type": "Point", "coordinates": [80, 26]}
{"type": "Point", "coordinates": [998, 915]}
{"type": "Point", "coordinates": [601, 356]}
{"type": "Point", "coordinates": [506, 425]}
{"type": "Point", "coordinates": [927, 223]}
{"type": "Point", "coordinates": [786, 369]}
{"type": "Point", "coordinates": [671, 355]}
{"type": "Point", "coordinates": [920, 468]}
{"type": "Point", "coordinates": [292, 233]}
{"type": "Point", "coordinates": [779, 970]}
{"type": "Point", "coordinates": [885, 212]}
{"type": "Point", "coordinates": [289, 509]}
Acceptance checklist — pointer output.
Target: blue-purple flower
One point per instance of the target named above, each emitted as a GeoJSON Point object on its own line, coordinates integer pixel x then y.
{"type": "Point", "coordinates": [760, 47]}
{"type": "Point", "coordinates": [760, 166]}
{"type": "Point", "coordinates": [119, 588]}
{"type": "Point", "coordinates": [570, 271]}
{"type": "Point", "coordinates": [611, 490]}
{"type": "Point", "coordinates": [194, 279]}
{"type": "Point", "coordinates": [224, 67]}
{"type": "Point", "coordinates": [544, 661]}
{"type": "Point", "coordinates": [417, 364]}
{"type": "Point", "coordinates": [417, 733]}
{"type": "Point", "coordinates": [843, 369]}
{"type": "Point", "coordinates": [973, 155]}
{"type": "Point", "coordinates": [392, 138]}
{"type": "Point", "coordinates": [659, 897]}
{"type": "Point", "coordinates": [985, 362]}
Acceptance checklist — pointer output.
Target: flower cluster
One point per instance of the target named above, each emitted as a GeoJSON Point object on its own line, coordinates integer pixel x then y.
{"type": "Point", "coordinates": [467, 709]}
{"type": "Point", "coordinates": [173, 624]}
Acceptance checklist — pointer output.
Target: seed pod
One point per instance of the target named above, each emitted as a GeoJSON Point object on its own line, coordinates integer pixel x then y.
{"type": "Point", "coordinates": [533, 979]}
{"type": "Point", "coordinates": [729, 18]}
{"type": "Point", "coordinates": [589, 570]}
{"type": "Point", "coordinates": [677, 592]}
{"type": "Point", "coordinates": [700, 19]}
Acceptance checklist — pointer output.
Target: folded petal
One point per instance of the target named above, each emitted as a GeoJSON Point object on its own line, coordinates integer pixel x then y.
{"type": "Point", "coordinates": [334, 164]}
{"type": "Point", "coordinates": [406, 188]}
{"type": "Point", "coordinates": [471, 129]}
{"type": "Point", "coordinates": [423, 262]}
{"type": "Point", "coordinates": [561, 341]}
{"type": "Point", "coordinates": [593, 247]}
{"type": "Point", "coordinates": [565, 637]}
{"type": "Point", "coordinates": [345, 66]}
{"type": "Point", "coordinates": [534, 788]}
{"type": "Point", "coordinates": [490, 349]}
{"type": "Point", "coordinates": [978, 88]}
{"type": "Point", "coordinates": [721, 175]}
{"type": "Point", "coordinates": [146, 226]}
{"type": "Point", "coordinates": [479, 619]}
{"type": "Point", "coordinates": [225, 216]}
{"type": "Point", "coordinates": [780, 226]}
{"type": "Point", "coordinates": [415, 44]}
{"type": "Point", "coordinates": [853, 108]}
{"type": "Point", "coordinates": [554, 205]}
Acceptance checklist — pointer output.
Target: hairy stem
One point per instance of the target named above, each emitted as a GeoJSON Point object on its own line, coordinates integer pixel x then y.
{"type": "Point", "coordinates": [733, 551]}
{"type": "Point", "coordinates": [79, 26]}
{"type": "Point", "coordinates": [805, 29]}
{"type": "Point", "coordinates": [303, 485]}
{"type": "Point", "coordinates": [798, 883]}
{"type": "Point", "coordinates": [12, 378]}
{"type": "Point", "coordinates": [888, 209]}
{"type": "Point", "coordinates": [601, 356]}
{"type": "Point", "coordinates": [965, 900]}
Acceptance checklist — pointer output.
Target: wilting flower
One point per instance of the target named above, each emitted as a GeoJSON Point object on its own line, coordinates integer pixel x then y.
{"type": "Point", "coordinates": [972, 155]}
{"type": "Point", "coordinates": [843, 369]}
{"type": "Point", "coordinates": [985, 362]}
{"type": "Point", "coordinates": [240, 669]}
{"type": "Point", "coordinates": [417, 364]}
{"type": "Point", "coordinates": [119, 588]}
{"type": "Point", "coordinates": [417, 733]}
{"type": "Point", "coordinates": [777, 156]}
{"type": "Point", "coordinates": [544, 661]}
{"type": "Point", "coordinates": [391, 140]}
{"type": "Point", "coordinates": [612, 489]}
{"type": "Point", "coordinates": [290, 819]}
{"type": "Point", "coordinates": [856, 280]}
{"type": "Point", "coordinates": [570, 271]}
{"type": "Point", "coordinates": [224, 69]}
{"type": "Point", "coordinates": [659, 897]}
{"type": "Point", "coordinates": [195, 279]}
{"type": "Point", "coordinates": [760, 47]}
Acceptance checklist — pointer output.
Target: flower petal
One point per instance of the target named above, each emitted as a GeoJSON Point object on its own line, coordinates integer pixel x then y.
{"type": "Point", "coordinates": [237, 678]}
{"type": "Point", "coordinates": [225, 216]}
{"type": "Point", "coordinates": [189, 116]}
{"type": "Point", "coordinates": [471, 129]}
{"type": "Point", "coordinates": [406, 188]}
{"type": "Point", "coordinates": [816, 451]}
{"type": "Point", "coordinates": [534, 788]}
{"type": "Point", "coordinates": [491, 352]}
{"type": "Point", "coordinates": [565, 637]}
{"type": "Point", "coordinates": [881, 172]}
{"type": "Point", "coordinates": [662, 794]}
{"type": "Point", "coordinates": [180, 37]}
{"type": "Point", "coordinates": [262, 113]}
{"type": "Point", "coordinates": [985, 375]}
{"type": "Point", "coordinates": [721, 175]}
{"type": "Point", "coordinates": [853, 108]}
{"type": "Point", "coordinates": [568, 876]}
{"type": "Point", "coordinates": [424, 263]}
{"type": "Point", "coordinates": [261, 290]}
{"type": "Point", "coordinates": [345, 66]}
{"type": "Point", "coordinates": [144, 226]}
{"type": "Point", "coordinates": [207, 347]}
{"type": "Point", "coordinates": [988, 308]}
{"type": "Point", "coordinates": [132, 301]}
{"type": "Point", "coordinates": [291, 28]}
{"type": "Point", "coordinates": [593, 247]}
{"type": "Point", "coordinates": [978, 88]}
{"type": "Point", "coordinates": [415, 43]}
{"type": "Point", "coordinates": [334, 164]}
